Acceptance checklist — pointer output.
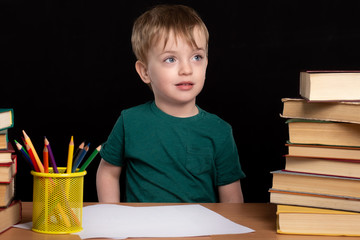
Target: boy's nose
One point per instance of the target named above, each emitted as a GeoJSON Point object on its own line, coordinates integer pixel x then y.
{"type": "Point", "coordinates": [185, 68]}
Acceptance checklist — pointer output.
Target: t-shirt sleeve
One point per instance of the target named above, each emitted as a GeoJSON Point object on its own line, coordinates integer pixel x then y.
{"type": "Point", "coordinates": [228, 163]}
{"type": "Point", "coordinates": [112, 151]}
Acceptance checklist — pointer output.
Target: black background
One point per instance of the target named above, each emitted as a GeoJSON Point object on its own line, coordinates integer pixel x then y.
{"type": "Point", "coordinates": [67, 68]}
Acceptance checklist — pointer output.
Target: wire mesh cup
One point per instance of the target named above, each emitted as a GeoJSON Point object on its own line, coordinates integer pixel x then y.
{"type": "Point", "coordinates": [58, 201]}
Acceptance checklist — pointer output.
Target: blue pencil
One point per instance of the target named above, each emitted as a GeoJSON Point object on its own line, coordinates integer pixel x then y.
{"type": "Point", "coordinates": [89, 160]}
{"type": "Point", "coordinates": [25, 154]}
{"type": "Point", "coordinates": [80, 157]}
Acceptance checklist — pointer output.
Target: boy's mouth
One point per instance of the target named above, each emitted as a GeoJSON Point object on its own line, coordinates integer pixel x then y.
{"type": "Point", "coordinates": [184, 84]}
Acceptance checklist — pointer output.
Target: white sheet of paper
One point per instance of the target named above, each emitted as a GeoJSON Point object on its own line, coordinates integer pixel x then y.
{"type": "Point", "coordinates": [120, 222]}
{"type": "Point", "coordinates": [27, 225]}
{"type": "Point", "coordinates": [117, 221]}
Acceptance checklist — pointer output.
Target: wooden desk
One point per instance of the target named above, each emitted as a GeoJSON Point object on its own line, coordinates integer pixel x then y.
{"type": "Point", "coordinates": [258, 216]}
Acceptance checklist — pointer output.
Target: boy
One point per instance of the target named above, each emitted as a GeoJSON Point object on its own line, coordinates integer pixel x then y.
{"type": "Point", "coordinates": [173, 150]}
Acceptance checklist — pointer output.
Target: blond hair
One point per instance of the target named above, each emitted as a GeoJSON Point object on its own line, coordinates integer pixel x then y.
{"type": "Point", "coordinates": [159, 22]}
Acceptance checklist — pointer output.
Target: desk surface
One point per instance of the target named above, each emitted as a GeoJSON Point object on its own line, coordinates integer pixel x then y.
{"type": "Point", "coordinates": [258, 216]}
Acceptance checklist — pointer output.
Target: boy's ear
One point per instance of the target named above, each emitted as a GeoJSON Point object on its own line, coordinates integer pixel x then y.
{"type": "Point", "coordinates": [142, 71]}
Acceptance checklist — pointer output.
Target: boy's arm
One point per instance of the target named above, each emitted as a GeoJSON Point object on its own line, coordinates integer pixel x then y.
{"type": "Point", "coordinates": [231, 193]}
{"type": "Point", "coordinates": [107, 182]}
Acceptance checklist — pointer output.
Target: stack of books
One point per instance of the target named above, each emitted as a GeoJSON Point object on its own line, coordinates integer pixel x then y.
{"type": "Point", "coordinates": [318, 192]}
{"type": "Point", "coordinates": [10, 210]}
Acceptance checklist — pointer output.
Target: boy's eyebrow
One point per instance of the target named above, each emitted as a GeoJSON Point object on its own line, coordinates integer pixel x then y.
{"type": "Point", "coordinates": [171, 51]}
{"type": "Point", "coordinates": [200, 49]}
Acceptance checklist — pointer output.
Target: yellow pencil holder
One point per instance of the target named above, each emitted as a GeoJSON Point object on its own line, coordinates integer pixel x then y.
{"type": "Point", "coordinates": [58, 201]}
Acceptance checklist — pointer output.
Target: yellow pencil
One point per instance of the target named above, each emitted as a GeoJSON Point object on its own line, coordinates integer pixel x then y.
{"type": "Point", "coordinates": [37, 159]}
{"type": "Point", "coordinates": [70, 155]}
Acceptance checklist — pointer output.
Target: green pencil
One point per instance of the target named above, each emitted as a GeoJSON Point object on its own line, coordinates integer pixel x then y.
{"type": "Point", "coordinates": [88, 161]}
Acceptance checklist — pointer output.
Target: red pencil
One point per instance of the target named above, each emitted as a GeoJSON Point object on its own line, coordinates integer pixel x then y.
{"type": "Point", "coordinates": [28, 149]}
{"type": "Point", "coordinates": [46, 159]}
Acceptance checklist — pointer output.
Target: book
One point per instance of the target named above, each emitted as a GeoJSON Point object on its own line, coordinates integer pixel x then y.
{"type": "Point", "coordinates": [6, 154]}
{"type": "Point", "coordinates": [316, 221]}
{"type": "Point", "coordinates": [6, 118]}
{"type": "Point", "coordinates": [8, 170]}
{"type": "Point", "coordinates": [314, 200]}
{"type": "Point", "coordinates": [3, 139]}
{"type": "Point", "coordinates": [10, 215]}
{"type": "Point", "coordinates": [337, 167]}
{"type": "Point", "coordinates": [316, 183]}
{"type": "Point", "coordinates": [329, 111]}
{"type": "Point", "coordinates": [324, 151]}
{"type": "Point", "coordinates": [323, 132]}
{"type": "Point", "coordinates": [7, 191]}
{"type": "Point", "coordinates": [330, 85]}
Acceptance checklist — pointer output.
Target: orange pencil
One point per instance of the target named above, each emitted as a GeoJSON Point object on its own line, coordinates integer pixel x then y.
{"type": "Point", "coordinates": [46, 159]}
{"type": "Point", "coordinates": [28, 141]}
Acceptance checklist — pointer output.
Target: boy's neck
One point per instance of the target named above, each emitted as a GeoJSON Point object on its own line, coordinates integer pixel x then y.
{"type": "Point", "coordinates": [178, 110]}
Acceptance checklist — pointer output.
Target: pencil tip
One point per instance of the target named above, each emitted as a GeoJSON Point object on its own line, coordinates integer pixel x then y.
{"type": "Point", "coordinates": [18, 145]}
{"type": "Point", "coordinates": [25, 135]}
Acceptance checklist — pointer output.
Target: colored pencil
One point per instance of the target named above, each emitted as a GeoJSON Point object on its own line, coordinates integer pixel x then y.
{"type": "Point", "coordinates": [21, 147]}
{"type": "Point", "coordinates": [23, 139]}
{"type": "Point", "coordinates": [46, 159]}
{"type": "Point", "coordinates": [51, 155]}
{"type": "Point", "coordinates": [80, 157]}
{"type": "Point", "coordinates": [70, 155]}
{"type": "Point", "coordinates": [32, 158]}
{"type": "Point", "coordinates": [89, 160]}
{"type": "Point", "coordinates": [38, 162]}
{"type": "Point", "coordinates": [24, 154]}
{"type": "Point", "coordinates": [78, 150]}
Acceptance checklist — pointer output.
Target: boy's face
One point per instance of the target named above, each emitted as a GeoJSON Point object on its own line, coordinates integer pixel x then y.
{"type": "Point", "coordinates": [177, 71]}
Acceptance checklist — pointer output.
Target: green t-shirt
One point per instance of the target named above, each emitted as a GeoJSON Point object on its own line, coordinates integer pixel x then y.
{"type": "Point", "coordinates": [171, 159]}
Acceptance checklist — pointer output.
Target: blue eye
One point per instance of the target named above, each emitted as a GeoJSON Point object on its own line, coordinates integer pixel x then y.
{"type": "Point", "coordinates": [169, 60]}
{"type": "Point", "coordinates": [198, 57]}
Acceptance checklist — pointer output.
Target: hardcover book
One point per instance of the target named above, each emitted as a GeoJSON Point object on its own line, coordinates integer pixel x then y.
{"type": "Point", "coordinates": [6, 118]}
{"type": "Point", "coordinates": [7, 191]}
{"type": "Point", "coordinates": [8, 170]}
{"type": "Point", "coordinates": [316, 221]}
{"type": "Point", "coordinates": [323, 132]}
{"type": "Point", "coordinates": [3, 139]}
{"type": "Point", "coordinates": [337, 167]}
{"type": "Point", "coordinates": [316, 183]}
{"type": "Point", "coordinates": [6, 155]}
{"type": "Point", "coordinates": [330, 85]}
{"type": "Point", "coordinates": [329, 111]}
{"type": "Point", "coordinates": [10, 215]}
{"type": "Point", "coordinates": [324, 151]}
{"type": "Point", "coordinates": [314, 200]}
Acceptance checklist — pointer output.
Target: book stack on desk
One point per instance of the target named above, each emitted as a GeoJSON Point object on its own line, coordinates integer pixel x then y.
{"type": "Point", "coordinates": [10, 210]}
{"type": "Point", "coordinates": [320, 184]}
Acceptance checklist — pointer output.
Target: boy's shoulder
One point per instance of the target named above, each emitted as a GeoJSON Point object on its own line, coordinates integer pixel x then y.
{"type": "Point", "coordinates": [214, 120]}
{"type": "Point", "coordinates": [137, 109]}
